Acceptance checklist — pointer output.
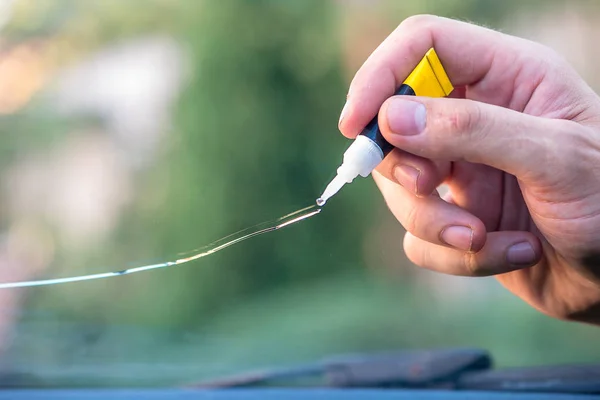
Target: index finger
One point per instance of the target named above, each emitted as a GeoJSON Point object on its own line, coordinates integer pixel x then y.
{"type": "Point", "coordinates": [467, 52]}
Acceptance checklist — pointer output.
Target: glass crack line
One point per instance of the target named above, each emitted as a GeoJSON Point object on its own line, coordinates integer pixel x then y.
{"type": "Point", "coordinates": [212, 248]}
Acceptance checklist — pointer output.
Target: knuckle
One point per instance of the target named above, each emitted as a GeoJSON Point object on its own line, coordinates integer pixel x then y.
{"type": "Point", "coordinates": [540, 50]}
{"type": "Point", "coordinates": [464, 120]}
{"type": "Point", "coordinates": [549, 54]}
{"type": "Point", "coordinates": [372, 77]}
{"type": "Point", "coordinates": [472, 266]}
{"type": "Point", "coordinates": [411, 219]}
{"type": "Point", "coordinates": [552, 62]}
{"type": "Point", "coordinates": [464, 123]}
{"type": "Point", "coordinates": [418, 21]}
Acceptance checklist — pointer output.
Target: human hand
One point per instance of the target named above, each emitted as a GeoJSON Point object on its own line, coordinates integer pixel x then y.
{"type": "Point", "coordinates": [518, 148]}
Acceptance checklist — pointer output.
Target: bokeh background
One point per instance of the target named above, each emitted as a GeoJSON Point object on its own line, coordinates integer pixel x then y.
{"type": "Point", "coordinates": [134, 130]}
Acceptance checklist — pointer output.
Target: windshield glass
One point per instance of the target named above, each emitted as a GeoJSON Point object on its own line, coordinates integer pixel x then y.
{"type": "Point", "coordinates": [135, 131]}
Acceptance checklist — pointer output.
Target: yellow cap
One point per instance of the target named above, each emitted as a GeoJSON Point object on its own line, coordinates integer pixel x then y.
{"type": "Point", "coordinates": [429, 77]}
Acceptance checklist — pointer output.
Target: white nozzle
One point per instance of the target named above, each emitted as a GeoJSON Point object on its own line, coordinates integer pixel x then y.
{"type": "Point", "coordinates": [336, 184]}
{"type": "Point", "coordinates": [360, 158]}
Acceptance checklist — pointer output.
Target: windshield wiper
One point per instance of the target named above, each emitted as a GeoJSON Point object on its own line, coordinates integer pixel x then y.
{"type": "Point", "coordinates": [419, 368]}
{"type": "Point", "coordinates": [449, 369]}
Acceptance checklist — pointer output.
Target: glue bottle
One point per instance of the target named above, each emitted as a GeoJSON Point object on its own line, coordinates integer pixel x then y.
{"type": "Point", "coordinates": [370, 147]}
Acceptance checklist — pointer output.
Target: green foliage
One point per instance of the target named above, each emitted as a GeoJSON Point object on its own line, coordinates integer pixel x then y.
{"type": "Point", "coordinates": [256, 138]}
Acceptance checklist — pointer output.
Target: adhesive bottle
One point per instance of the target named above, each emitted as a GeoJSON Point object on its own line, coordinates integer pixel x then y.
{"type": "Point", "coordinates": [369, 148]}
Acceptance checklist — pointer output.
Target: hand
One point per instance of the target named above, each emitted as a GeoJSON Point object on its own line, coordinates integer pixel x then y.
{"type": "Point", "coordinates": [518, 146]}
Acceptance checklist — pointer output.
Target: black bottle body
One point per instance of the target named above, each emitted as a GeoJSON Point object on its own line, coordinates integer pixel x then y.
{"type": "Point", "coordinates": [372, 129]}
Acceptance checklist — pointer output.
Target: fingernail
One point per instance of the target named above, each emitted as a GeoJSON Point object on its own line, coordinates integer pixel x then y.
{"type": "Point", "coordinates": [460, 237]}
{"type": "Point", "coordinates": [521, 254]}
{"type": "Point", "coordinates": [408, 177]}
{"type": "Point", "coordinates": [406, 117]}
{"type": "Point", "coordinates": [343, 113]}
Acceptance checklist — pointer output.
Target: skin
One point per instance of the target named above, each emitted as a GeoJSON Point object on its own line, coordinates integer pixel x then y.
{"type": "Point", "coordinates": [517, 145]}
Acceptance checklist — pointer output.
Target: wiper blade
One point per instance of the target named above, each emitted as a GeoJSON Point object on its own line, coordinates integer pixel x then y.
{"type": "Point", "coordinates": [409, 369]}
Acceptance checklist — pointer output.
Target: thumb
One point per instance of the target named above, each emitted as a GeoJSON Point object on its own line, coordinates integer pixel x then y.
{"type": "Point", "coordinates": [464, 130]}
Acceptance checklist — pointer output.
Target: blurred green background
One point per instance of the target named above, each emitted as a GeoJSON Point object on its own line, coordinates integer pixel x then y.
{"type": "Point", "coordinates": [136, 130]}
